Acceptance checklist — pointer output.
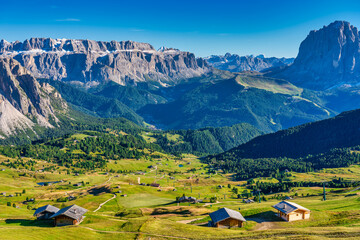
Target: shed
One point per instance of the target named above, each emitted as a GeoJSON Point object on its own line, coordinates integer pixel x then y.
{"type": "Point", "coordinates": [71, 215]}
{"type": "Point", "coordinates": [45, 212]}
{"type": "Point", "coordinates": [226, 217]}
{"type": "Point", "coordinates": [290, 211]}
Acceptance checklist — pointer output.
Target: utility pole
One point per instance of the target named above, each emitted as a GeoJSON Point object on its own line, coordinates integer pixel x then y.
{"type": "Point", "coordinates": [324, 197]}
{"type": "Point", "coordinates": [259, 195]}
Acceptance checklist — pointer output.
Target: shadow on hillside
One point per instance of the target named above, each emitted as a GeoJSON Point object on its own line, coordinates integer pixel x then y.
{"type": "Point", "coordinates": [99, 190]}
{"type": "Point", "coordinates": [268, 216]}
{"type": "Point", "coordinates": [30, 223]}
{"type": "Point", "coordinates": [163, 211]}
{"type": "Point", "coordinates": [167, 204]}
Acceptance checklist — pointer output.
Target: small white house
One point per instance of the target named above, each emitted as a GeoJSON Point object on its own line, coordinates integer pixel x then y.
{"type": "Point", "coordinates": [290, 211]}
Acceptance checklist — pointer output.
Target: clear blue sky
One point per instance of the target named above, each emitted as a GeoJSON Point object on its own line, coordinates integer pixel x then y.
{"type": "Point", "coordinates": [271, 27]}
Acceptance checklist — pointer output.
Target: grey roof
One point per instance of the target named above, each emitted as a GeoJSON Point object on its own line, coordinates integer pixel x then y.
{"type": "Point", "coordinates": [225, 213]}
{"type": "Point", "coordinates": [73, 211]}
{"type": "Point", "coordinates": [47, 208]}
{"type": "Point", "coordinates": [184, 198]}
{"type": "Point", "coordinates": [288, 207]}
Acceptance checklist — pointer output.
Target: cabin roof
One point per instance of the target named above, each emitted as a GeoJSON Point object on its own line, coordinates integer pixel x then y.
{"type": "Point", "coordinates": [73, 211]}
{"type": "Point", "coordinates": [47, 208]}
{"type": "Point", "coordinates": [183, 198]}
{"type": "Point", "coordinates": [288, 207]}
{"type": "Point", "coordinates": [225, 213]}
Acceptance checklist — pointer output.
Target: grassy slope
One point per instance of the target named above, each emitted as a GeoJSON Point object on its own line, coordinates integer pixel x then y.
{"type": "Point", "coordinates": [147, 212]}
{"type": "Point", "coordinates": [266, 103]}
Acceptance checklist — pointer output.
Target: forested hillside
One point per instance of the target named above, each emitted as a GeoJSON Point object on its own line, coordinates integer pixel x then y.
{"type": "Point", "coordinates": [265, 103]}
{"type": "Point", "coordinates": [99, 106]}
{"type": "Point", "coordinates": [325, 144]}
{"type": "Point", "coordinates": [312, 138]}
{"type": "Point", "coordinates": [206, 140]}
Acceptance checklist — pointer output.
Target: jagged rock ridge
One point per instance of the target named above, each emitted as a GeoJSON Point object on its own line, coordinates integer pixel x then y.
{"type": "Point", "coordinates": [93, 62]}
{"type": "Point", "coordinates": [236, 63]}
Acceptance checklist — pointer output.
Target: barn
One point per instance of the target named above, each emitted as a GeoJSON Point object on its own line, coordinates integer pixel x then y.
{"type": "Point", "coordinates": [226, 218]}
{"type": "Point", "coordinates": [71, 215]}
{"type": "Point", "coordinates": [290, 211]}
{"type": "Point", "coordinates": [45, 212]}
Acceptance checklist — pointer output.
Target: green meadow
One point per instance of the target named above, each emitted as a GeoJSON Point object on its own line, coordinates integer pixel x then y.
{"type": "Point", "coordinates": [145, 212]}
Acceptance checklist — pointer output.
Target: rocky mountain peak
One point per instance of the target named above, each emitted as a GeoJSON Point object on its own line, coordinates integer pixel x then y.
{"type": "Point", "coordinates": [327, 58]}
{"type": "Point", "coordinates": [24, 102]}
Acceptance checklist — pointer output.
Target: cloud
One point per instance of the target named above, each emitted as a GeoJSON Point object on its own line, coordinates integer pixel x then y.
{"type": "Point", "coordinates": [68, 20]}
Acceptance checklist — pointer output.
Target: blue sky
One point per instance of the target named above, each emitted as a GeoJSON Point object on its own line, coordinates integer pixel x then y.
{"type": "Point", "coordinates": [272, 27]}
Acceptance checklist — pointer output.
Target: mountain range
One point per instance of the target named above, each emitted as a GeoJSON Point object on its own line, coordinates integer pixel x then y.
{"type": "Point", "coordinates": [42, 78]}
{"type": "Point", "coordinates": [90, 63]}
{"type": "Point", "coordinates": [235, 63]}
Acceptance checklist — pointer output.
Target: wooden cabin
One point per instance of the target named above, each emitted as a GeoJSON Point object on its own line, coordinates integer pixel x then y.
{"type": "Point", "coordinates": [71, 215]}
{"type": "Point", "coordinates": [290, 211]}
{"type": "Point", "coordinates": [187, 199]}
{"type": "Point", "coordinates": [45, 212]}
{"type": "Point", "coordinates": [226, 218]}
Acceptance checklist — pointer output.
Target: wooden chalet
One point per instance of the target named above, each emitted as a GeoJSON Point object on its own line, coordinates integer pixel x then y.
{"type": "Point", "coordinates": [290, 211]}
{"type": "Point", "coordinates": [45, 212]}
{"type": "Point", "coordinates": [71, 215]}
{"type": "Point", "coordinates": [187, 199]}
{"type": "Point", "coordinates": [248, 201]}
{"type": "Point", "coordinates": [226, 218]}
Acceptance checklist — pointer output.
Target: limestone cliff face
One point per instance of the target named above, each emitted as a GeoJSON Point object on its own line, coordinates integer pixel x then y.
{"type": "Point", "coordinates": [92, 62]}
{"type": "Point", "coordinates": [25, 103]}
{"type": "Point", "coordinates": [327, 58]}
{"type": "Point", "coordinates": [236, 63]}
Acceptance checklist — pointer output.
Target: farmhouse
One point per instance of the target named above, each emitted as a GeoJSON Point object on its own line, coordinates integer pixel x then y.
{"type": "Point", "coordinates": [71, 215]}
{"type": "Point", "coordinates": [45, 212]}
{"type": "Point", "coordinates": [290, 211]}
{"type": "Point", "coordinates": [226, 217]}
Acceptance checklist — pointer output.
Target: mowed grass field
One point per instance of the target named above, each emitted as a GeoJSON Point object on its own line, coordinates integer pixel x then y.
{"type": "Point", "coordinates": [152, 212]}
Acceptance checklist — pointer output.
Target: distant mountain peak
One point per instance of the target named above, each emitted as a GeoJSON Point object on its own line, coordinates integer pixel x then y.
{"type": "Point", "coordinates": [327, 57]}
{"type": "Point", "coordinates": [235, 63]}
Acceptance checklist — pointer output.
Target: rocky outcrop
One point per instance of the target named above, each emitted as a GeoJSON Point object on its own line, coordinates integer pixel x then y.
{"type": "Point", "coordinates": [327, 58]}
{"type": "Point", "coordinates": [92, 62]}
{"type": "Point", "coordinates": [25, 103]}
{"type": "Point", "coordinates": [236, 63]}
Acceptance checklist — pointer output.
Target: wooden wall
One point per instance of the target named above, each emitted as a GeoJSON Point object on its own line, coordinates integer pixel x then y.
{"type": "Point", "coordinates": [64, 220]}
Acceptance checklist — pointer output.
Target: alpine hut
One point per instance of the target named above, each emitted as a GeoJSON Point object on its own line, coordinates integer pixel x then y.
{"type": "Point", "coordinates": [226, 217]}
{"type": "Point", "coordinates": [290, 211]}
{"type": "Point", "coordinates": [45, 212]}
{"type": "Point", "coordinates": [71, 215]}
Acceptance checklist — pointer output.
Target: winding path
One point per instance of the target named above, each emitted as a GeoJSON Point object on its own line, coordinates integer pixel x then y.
{"type": "Point", "coordinates": [102, 204]}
